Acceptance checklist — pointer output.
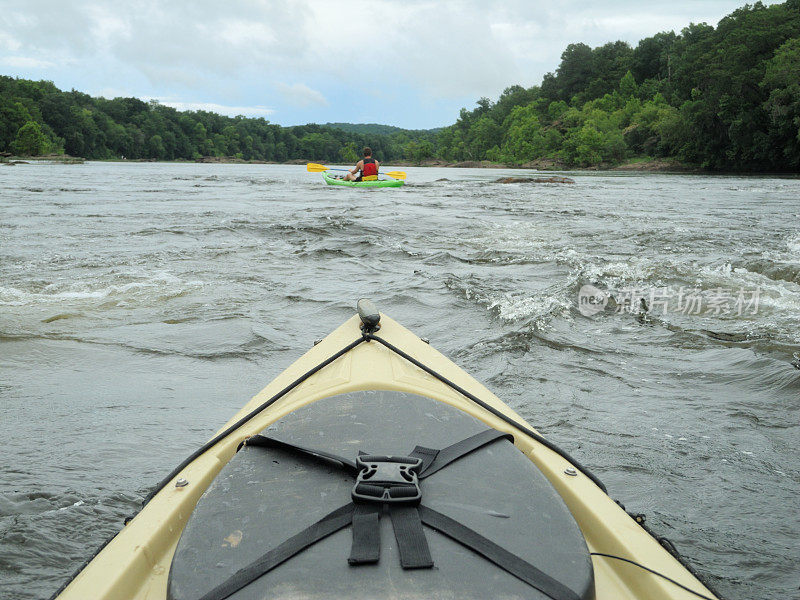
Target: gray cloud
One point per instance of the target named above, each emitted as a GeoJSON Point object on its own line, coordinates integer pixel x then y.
{"type": "Point", "coordinates": [264, 51]}
{"type": "Point", "coordinates": [232, 111]}
{"type": "Point", "coordinates": [301, 95]}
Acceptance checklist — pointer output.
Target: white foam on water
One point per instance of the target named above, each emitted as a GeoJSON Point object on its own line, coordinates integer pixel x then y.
{"type": "Point", "coordinates": [781, 299]}
{"type": "Point", "coordinates": [538, 308]}
{"type": "Point", "coordinates": [777, 294]}
{"type": "Point", "coordinates": [611, 274]}
{"type": "Point", "coordinates": [147, 289]}
{"type": "Point", "coordinates": [78, 503]}
{"type": "Point", "coordinates": [793, 245]}
{"type": "Point", "coordinates": [647, 274]}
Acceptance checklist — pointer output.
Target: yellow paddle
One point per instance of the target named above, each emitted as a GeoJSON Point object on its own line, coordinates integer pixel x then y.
{"type": "Point", "coordinates": [317, 168]}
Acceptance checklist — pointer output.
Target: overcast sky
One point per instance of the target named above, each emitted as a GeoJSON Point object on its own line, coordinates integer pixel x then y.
{"type": "Point", "coordinates": [408, 63]}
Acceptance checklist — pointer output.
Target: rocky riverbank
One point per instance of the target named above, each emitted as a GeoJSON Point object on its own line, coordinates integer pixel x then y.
{"type": "Point", "coordinates": [637, 164]}
{"type": "Point", "coordinates": [7, 158]}
{"type": "Point", "coordinates": [547, 164]}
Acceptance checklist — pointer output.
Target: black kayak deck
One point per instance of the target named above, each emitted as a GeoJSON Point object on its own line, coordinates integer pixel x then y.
{"type": "Point", "coordinates": [264, 496]}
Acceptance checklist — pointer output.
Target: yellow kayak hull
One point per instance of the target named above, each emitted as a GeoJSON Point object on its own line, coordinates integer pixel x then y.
{"type": "Point", "coordinates": [135, 564]}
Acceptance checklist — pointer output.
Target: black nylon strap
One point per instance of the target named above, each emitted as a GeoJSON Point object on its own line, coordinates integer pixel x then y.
{"type": "Point", "coordinates": [462, 448]}
{"type": "Point", "coordinates": [329, 524]}
{"type": "Point", "coordinates": [366, 548]}
{"type": "Point", "coordinates": [270, 442]}
{"type": "Point", "coordinates": [406, 521]}
{"type": "Point", "coordinates": [411, 542]}
{"type": "Point", "coordinates": [428, 455]}
{"type": "Point", "coordinates": [504, 559]}
{"type": "Point", "coordinates": [432, 460]}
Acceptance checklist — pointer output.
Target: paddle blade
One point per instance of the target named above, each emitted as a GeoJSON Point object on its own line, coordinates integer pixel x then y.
{"type": "Point", "coordinates": [396, 174]}
{"type": "Point", "coordinates": [315, 168]}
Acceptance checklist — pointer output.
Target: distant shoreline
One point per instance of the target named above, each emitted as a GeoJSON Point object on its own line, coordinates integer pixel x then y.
{"type": "Point", "coordinates": [635, 165]}
{"type": "Point", "coordinates": [539, 165]}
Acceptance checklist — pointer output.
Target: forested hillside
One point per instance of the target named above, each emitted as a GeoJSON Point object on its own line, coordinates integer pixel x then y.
{"type": "Point", "coordinates": [721, 98]}
{"type": "Point", "coordinates": [724, 98]}
{"type": "Point", "coordinates": [372, 128]}
{"type": "Point", "coordinates": [36, 118]}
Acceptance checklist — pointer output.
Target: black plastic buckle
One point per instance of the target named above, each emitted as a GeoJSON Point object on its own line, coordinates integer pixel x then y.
{"type": "Point", "coordinates": [387, 479]}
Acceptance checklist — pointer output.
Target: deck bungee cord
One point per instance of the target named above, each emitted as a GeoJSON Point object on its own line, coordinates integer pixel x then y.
{"type": "Point", "coordinates": [654, 572]}
{"type": "Point", "coordinates": [216, 439]}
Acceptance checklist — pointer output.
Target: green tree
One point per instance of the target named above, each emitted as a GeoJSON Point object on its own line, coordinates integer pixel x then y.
{"type": "Point", "coordinates": [30, 140]}
{"type": "Point", "coordinates": [13, 115]}
{"type": "Point", "coordinates": [484, 133]}
{"type": "Point", "coordinates": [573, 74]}
{"type": "Point", "coordinates": [349, 153]}
{"type": "Point", "coordinates": [782, 81]}
{"type": "Point", "coordinates": [609, 64]}
{"type": "Point", "coordinates": [419, 152]}
{"type": "Point", "coordinates": [556, 109]}
{"type": "Point", "coordinates": [627, 85]}
{"type": "Point", "coordinates": [524, 138]}
{"type": "Point", "coordinates": [155, 147]}
{"type": "Point", "coordinates": [651, 59]}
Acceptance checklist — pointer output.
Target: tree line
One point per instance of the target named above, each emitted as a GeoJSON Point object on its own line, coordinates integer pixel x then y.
{"type": "Point", "coordinates": [724, 98]}
{"type": "Point", "coordinates": [38, 118]}
{"type": "Point", "coordinates": [719, 98]}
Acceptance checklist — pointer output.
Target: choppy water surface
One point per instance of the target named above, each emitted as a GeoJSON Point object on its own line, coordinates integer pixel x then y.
{"type": "Point", "coordinates": [142, 304]}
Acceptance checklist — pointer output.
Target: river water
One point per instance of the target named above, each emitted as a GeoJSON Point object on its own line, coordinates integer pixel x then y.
{"type": "Point", "coordinates": [142, 304]}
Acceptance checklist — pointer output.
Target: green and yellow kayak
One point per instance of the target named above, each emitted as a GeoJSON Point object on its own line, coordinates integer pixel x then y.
{"type": "Point", "coordinates": [374, 467]}
{"type": "Point", "coordinates": [380, 183]}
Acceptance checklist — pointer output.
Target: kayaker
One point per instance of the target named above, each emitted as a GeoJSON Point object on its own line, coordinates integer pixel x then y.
{"type": "Point", "coordinates": [367, 168]}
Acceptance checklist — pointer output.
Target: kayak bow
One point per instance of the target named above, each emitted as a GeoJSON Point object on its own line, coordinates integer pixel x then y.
{"type": "Point", "coordinates": [265, 508]}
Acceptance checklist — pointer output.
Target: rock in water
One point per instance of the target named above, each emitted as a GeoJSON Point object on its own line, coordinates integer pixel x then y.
{"type": "Point", "coordinates": [553, 179]}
